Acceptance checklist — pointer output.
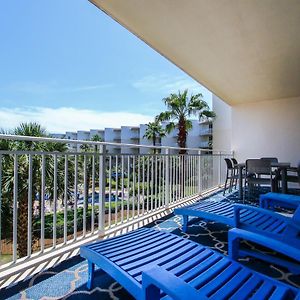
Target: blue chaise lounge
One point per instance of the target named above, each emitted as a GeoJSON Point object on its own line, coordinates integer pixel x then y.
{"type": "Point", "coordinates": [179, 267]}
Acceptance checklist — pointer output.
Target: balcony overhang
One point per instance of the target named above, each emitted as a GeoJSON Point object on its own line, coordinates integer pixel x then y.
{"type": "Point", "coordinates": [243, 51]}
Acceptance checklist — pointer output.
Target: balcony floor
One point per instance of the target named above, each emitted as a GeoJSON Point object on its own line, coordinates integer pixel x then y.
{"type": "Point", "coordinates": [68, 279]}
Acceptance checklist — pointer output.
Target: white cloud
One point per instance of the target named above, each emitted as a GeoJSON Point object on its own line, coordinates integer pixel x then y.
{"type": "Point", "coordinates": [53, 87]}
{"type": "Point", "coordinates": [60, 120]}
{"type": "Point", "coordinates": [167, 84]}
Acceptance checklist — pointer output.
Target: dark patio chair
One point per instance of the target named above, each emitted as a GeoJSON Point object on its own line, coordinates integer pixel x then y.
{"type": "Point", "coordinates": [293, 176]}
{"type": "Point", "coordinates": [230, 175]}
{"type": "Point", "coordinates": [236, 170]}
{"type": "Point", "coordinates": [258, 172]}
{"type": "Point", "coordinates": [234, 161]}
{"type": "Point", "coordinates": [271, 159]}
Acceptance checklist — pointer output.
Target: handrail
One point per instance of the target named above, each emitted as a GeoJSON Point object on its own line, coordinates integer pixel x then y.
{"type": "Point", "coordinates": [68, 141]}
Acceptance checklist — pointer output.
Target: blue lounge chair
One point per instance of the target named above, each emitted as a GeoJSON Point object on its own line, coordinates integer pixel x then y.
{"type": "Point", "coordinates": [223, 212]}
{"type": "Point", "coordinates": [182, 268]}
{"type": "Point", "coordinates": [282, 236]}
{"type": "Point", "coordinates": [271, 200]}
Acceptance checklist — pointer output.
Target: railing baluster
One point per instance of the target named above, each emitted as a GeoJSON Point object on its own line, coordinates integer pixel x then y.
{"type": "Point", "coordinates": [122, 189]}
{"type": "Point", "coordinates": [109, 191]}
{"type": "Point", "coordinates": [163, 180]}
{"type": "Point", "coordinates": [102, 187]}
{"type": "Point", "coordinates": [155, 180]}
{"type": "Point", "coordinates": [93, 194]}
{"type": "Point", "coordinates": [29, 224]}
{"type": "Point", "coordinates": [116, 190]}
{"type": "Point", "coordinates": [159, 181]}
{"type": "Point", "coordinates": [54, 199]}
{"type": "Point", "coordinates": [133, 186]}
{"type": "Point", "coordinates": [75, 195]}
{"type": "Point", "coordinates": [128, 186]}
{"type": "Point", "coordinates": [138, 188]}
{"type": "Point", "coordinates": [152, 183]}
{"type": "Point", "coordinates": [195, 175]}
{"type": "Point", "coordinates": [167, 184]}
{"type": "Point", "coordinates": [43, 204]}
{"type": "Point", "coordinates": [0, 204]}
{"type": "Point", "coordinates": [220, 162]}
{"type": "Point", "coordinates": [148, 182]}
{"type": "Point", "coordinates": [173, 179]}
{"type": "Point", "coordinates": [177, 177]}
{"type": "Point", "coordinates": [190, 175]}
{"type": "Point", "coordinates": [15, 208]}
{"type": "Point", "coordinates": [143, 186]}
{"type": "Point", "coordinates": [66, 201]}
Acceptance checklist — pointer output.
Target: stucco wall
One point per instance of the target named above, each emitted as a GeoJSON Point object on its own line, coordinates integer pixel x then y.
{"type": "Point", "coordinates": [269, 128]}
{"type": "Point", "coordinates": [222, 125]}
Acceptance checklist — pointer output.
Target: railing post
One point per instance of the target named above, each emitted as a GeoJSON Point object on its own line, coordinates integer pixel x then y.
{"type": "Point", "coordinates": [199, 172]}
{"type": "Point", "coordinates": [102, 184]}
{"type": "Point", "coordinates": [167, 179]}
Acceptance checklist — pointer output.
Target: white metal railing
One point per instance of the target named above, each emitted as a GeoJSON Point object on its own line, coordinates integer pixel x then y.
{"type": "Point", "coordinates": [52, 197]}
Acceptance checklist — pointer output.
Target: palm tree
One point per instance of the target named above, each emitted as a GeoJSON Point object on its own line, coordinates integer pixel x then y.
{"type": "Point", "coordinates": [36, 130]}
{"type": "Point", "coordinates": [180, 107]}
{"type": "Point", "coordinates": [154, 131]}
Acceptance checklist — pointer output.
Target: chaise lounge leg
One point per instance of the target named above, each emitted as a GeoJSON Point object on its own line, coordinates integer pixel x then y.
{"type": "Point", "coordinates": [233, 246]}
{"type": "Point", "coordinates": [91, 272]}
{"type": "Point", "coordinates": [151, 293]}
{"type": "Point", "coordinates": [185, 223]}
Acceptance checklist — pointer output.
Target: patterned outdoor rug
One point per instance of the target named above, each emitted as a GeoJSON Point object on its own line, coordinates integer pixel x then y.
{"type": "Point", "coordinates": [68, 280]}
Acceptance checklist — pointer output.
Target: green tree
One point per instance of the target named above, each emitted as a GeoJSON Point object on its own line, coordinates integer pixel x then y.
{"type": "Point", "coordinates": [180, 107]}
{"type": "Point", "coordinates": [34, 130]}
{"type": "Point", "coordinates": [154, 131]}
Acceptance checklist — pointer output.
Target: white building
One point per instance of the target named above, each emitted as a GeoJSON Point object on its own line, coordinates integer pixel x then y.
{"type": "Point", "coordinates": [130, 135]}
{"type": "Point", "coordinates": [112, 135]}
{"type": "Point", "coordinates": [200, 136]}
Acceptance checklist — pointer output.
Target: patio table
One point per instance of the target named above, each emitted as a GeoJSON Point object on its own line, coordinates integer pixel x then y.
{"type": "Point", "coordinates": [282, 167]}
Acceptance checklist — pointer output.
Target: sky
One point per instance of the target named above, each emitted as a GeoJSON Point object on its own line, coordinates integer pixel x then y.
{"type": "Point", "coordinates": [68, 66]}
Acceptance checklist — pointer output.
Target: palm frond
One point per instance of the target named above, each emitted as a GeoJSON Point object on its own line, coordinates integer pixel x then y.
{"type": "Point", "coordinates": [170, 127]}
{"type": "Point", "coordinates": [207, 114]}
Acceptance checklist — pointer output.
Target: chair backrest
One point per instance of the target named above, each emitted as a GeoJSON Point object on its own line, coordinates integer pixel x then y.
{"type": "Point", "coordinates": [271, 159]}
{"type": "Point", "coordinates": [235, 162]}
{"type": "Point", "coordinates": [258, 166]}
{"type": "Point", "coordinates": [228, 163]}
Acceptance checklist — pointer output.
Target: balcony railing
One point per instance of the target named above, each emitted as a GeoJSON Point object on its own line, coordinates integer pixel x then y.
{"type": "Point", "coordinates": [52, 200]}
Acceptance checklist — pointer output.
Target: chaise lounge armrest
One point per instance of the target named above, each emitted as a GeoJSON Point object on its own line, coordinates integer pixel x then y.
{"type": "Point", "coordinates": [276, 245]}
{"type": "Point", "coordinates": [270, 200]}
{"type": "Point", "coordinates": [240, 207]}
{"type": "Point", "coordinates": [157, 279]}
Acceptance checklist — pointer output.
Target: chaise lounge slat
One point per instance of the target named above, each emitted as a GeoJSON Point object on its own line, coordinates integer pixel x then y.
{"type": "Point", "coordinates": [196, 270]}
{"type": "Point", "coordinates": [223, 212]}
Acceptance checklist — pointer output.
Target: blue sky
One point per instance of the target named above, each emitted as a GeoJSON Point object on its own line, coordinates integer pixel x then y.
{"type": "Point", "coordinates": [67, 65]}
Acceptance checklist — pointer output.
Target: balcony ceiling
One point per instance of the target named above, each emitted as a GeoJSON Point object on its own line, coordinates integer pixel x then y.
{"type": "Point", "coordinates": [242, 50]}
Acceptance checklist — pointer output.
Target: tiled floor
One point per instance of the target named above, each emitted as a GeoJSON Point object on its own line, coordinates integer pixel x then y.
{"type": "Point", "coordinates": [68, 280]}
